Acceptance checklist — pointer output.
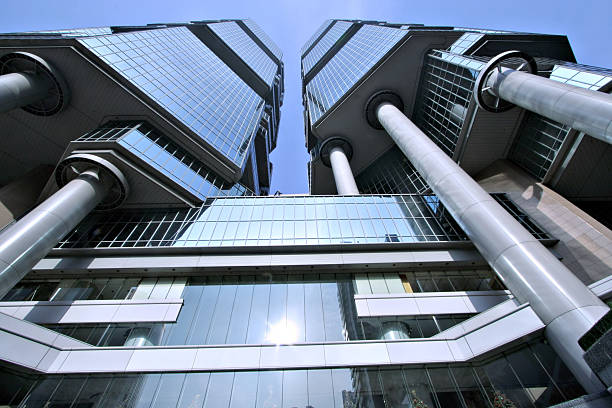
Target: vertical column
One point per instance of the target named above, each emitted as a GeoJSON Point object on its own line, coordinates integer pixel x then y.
{"type": "Point", "coordinates": [336, 153]}
{"type": "Point", "coordinates": [526, 267]}
{"type": "Point", "coordinates": [31, 238]}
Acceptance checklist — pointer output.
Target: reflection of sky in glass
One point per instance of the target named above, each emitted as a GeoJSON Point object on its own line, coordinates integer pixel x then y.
{"type": "Point", "coordinates": [174, 162]}
{"type": "Point", "coordinates": [577, 75]}
{"type": "Point", "coordinates": [261, 34]}
{"type": "Point", "coordinates": [347, 67]}
{"type": "Point", "coordinates": [464, 42]}
{"type": "Point", "coordinates": [316, 35]}
{"type": "Point", "coordinates": [182, 75]}
{"type": "Point", "coordinates": [324, 44]}
{"type": "Point", "coordinates": [264, 221]}
{"type": "Point", "coordinates": [239, 41]}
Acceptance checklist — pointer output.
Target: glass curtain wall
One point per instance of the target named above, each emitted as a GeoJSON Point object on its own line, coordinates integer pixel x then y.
{"type": "Point", "coordinates": [532, 376]}
{"type": "Point", "coordinates": [266, 221]}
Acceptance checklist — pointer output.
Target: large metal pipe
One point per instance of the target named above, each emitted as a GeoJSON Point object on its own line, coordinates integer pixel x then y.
{"type": "Point", "coordinates": [27, 241]}
{"type": "Point", "coordinates": [581, 109]}
{"type": "Point", "coordinates": [343, 175]}
{"type": "Point", "coordinates": [527, 268]}
{"type": "Point", "coordinates": [21, 89]}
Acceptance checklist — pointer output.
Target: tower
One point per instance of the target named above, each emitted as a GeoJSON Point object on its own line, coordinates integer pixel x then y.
{"type": "Point", "coordinates": [440, 259]}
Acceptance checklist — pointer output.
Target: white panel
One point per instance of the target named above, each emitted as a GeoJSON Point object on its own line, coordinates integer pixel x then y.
{"type": "Point", "coordinates": [27, 329]}
{"type": "Point", "coordinates": [377, 282]}
{"type": "Point", "coordinates": [362, 307]}
{"type": "Point", "coordinates": [88, 314]}
{"type": "Point", "coordinates": [83, 361]}
{"type": "Point", "coordinates": [503, 331]}
{"type": "Point", "coordinates": [144, 288]}
{"type": "Point", "coordinates": [393, 307]}
{"type": "Point", "coordinates": [46, 314]}
{"type": "Point", "coordinates": [226, 358]}
{"type": "Point", "coordinates": [176, 290]}
{"type": "Point", "coordinates": [180, 359]}
{"type": "Point", "coordinates": [49, 362]}
{"type": "Point", "coordinates": [21, 350]}
{"type": "Point", "coordinates": [23, 311]}
{"type": "Point", "coordinates": [490, 315]}
{"type": "Point", "coordinates": [8, 310]}
{"type": "Point", "coordinates": [173, 311]}
{"type": "Point", "coordinates": [394, 283]}
{"type": "Point", "coordinates": [67, 342]}
{"type": "Point", "coordinates": [161, 289]}
{"type": "Point", "coordinates": [355, 354]}
{"type": "Point", "coordinates": [481, 303]}
{"type": "Point", "coordinates": [442, 305]}
{"type": "Point", "coordinates": [140, 313]}
{"type": "Point", "coordinates": [292, 356]}
{"type": "Point", "coordinates": [423, 351]}
{"type": "Point", "coordinates": [363, 284]}
{"type": "Point", "coordinates": [56, 365]}
{"type": "Point", "coordinates": [460, 349]}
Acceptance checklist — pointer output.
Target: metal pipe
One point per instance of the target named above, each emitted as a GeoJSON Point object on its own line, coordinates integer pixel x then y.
{"type": "Point", "coordinates": [343, 175]}
{"type": "Point", "coordinates": [20, 89]}
{"type": "Point", "coordinates": [29, 240]}
{"type": "Point", "coordinates": [581, 109]}
{"type": "Point", "coordinates": [527, 268]}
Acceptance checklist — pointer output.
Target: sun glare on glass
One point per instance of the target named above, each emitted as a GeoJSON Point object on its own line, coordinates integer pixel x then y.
{"type": "Point", "coordinates": [283, 332]}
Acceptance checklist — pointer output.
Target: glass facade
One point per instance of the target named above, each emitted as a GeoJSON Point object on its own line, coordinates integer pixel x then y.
{"type": "Point", "coordinates": [537, 144]}
{"type": "Point", "coordinates": [531, 376]}
{"type": "Point", "coordinates": [265, 221]}
{"type": "Point", "coordinates": [315, 36]}
{"type": "Point", "coordinates": [96, 289]}
{"type": "Point", "coordinates": [364, 50]}
{"type": "Point", "coordinates": [445, 91]}
{"type": "Point", "coordinates": [391, 173]}
{"type": "Point", "coordinates": [263, 37]}
{"type": "Point", "coordinates": [465, 42]}
{"type": "Point", "coordinates": [426, 281]}
{"type": "Point", "coordinates": [240, 42]}
{"type": "Point", "coordinates": [181, 74]}
{"type": "Point", "coordinates": [324, 44]}
{"type": "Point", "coordinates": [157, 151]}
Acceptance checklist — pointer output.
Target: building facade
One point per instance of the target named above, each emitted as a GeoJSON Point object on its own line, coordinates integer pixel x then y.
{"type": "Point", "coordinates": [452, 253]}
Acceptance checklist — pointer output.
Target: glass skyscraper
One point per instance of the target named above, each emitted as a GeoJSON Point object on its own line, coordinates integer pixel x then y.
{"type": "Point", "coordinates": [452, 251]}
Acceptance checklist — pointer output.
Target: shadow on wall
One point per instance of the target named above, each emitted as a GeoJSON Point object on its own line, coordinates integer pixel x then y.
{"type": "Point", "coordinates": [585, 245]}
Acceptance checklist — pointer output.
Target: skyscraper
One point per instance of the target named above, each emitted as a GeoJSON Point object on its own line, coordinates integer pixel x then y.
{"type": "Point", "coordinates": [144, 265]}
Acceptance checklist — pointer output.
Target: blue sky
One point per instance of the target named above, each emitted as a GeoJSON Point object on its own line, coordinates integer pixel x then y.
{"type": "Point", "coordinates": [290, 23]}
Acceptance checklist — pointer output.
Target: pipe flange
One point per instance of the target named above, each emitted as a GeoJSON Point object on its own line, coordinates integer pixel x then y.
{"type": "Point", "coordinates": [332, 142]}
{"type": "Point", "coordinates": [24, 62]}
{"type": "Point", "coordinates": [517, 60]}
{"type": "Point", "coordinates": [375, 100]}
{"type": "Point", "coordinates": [75, 164]}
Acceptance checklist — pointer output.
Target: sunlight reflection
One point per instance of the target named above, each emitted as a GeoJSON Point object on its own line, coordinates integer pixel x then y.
{"type": "Point", "coordinates": [283, 332]}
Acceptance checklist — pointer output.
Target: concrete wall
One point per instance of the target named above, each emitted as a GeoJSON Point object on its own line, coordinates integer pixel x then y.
{"type": "Point", "coordinates": [19, 196]}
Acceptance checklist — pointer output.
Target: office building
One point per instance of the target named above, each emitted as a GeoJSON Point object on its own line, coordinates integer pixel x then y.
{"type": "Point", "coordinates": [452, 253]}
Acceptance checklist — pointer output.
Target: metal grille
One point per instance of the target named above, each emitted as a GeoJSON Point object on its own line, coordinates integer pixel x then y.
{"type": "Point", "coordinates": [537, 144]}
{"type": "Point", "coordinates": [520, 216]}
{"type": "Point", "coordinates": [444, 94]}
{"type": "Point", "coordinates": [265, 221]}
{"type": "Point", "coordinates": [157, 151]}
{"type": "Point", "coordinates": [392, 173]}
